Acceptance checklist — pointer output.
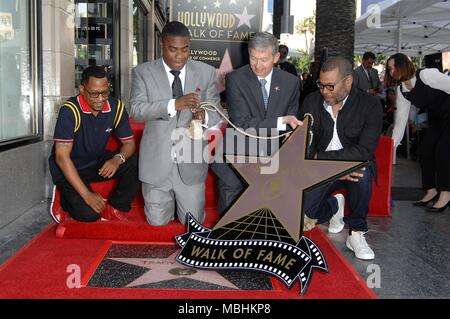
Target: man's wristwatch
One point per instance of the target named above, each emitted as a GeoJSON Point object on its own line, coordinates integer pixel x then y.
{"type": "Point", "coordinates": [122, 158]}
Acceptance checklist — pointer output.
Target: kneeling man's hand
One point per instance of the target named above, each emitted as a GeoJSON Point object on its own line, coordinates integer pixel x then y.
{"type": "Point", "coordinates": [95, 201]}
{"type": "Point", "coordinates": [110, 167]}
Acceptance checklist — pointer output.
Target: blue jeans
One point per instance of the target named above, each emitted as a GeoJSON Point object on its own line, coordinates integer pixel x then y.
{"type": "Point", "coordinates": [321, 205]}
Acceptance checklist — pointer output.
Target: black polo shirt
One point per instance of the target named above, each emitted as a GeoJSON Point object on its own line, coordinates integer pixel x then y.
{"type": "Point", "coordinates": [89, 134]}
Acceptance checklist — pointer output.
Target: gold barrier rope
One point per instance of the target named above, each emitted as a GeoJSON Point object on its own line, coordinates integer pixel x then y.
{"type": "Point", "coordinates": [195, 130]}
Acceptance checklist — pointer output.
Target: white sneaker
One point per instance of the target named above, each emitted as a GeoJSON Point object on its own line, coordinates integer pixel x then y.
{"type": "Point", "coordinates": [337, 221]}
{"type": "Point", "coordinates": [357, 243]}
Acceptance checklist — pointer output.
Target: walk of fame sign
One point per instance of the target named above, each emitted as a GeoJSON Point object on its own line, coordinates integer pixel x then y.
{"type": "Point", "coordinates": [219, 29]}
{"type": "Point", "coordinates": [262, 230]}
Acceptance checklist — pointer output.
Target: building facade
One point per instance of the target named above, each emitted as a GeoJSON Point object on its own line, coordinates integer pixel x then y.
{"type": "Point", "coordinates": [44, 47]}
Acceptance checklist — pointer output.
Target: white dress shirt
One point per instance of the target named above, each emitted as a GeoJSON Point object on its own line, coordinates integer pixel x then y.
{"type": "Point", "coordinates": [171, 105]}
{"type": "Point", "coordinates": [367, 73]}
{"type": "Point", "coordinates": [432, 78]}
{"type": "Point", "coordinates": [335, 143]}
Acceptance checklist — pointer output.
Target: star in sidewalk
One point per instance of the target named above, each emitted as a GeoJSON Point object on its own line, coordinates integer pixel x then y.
{"type": "Point", "coordinates": [162, 269]}
{"type": "Point", "coordinates": [244, 18]}
{"type": "Point", "coordinates": [232, 2]}
{"type": "Point", "coordinates": [282, 191]}
{"type": "Point", "coordinates": [217, 4]}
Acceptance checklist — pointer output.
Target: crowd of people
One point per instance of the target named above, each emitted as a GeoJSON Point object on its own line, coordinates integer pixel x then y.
{"type": "Point", "coordinates": [349, 109]}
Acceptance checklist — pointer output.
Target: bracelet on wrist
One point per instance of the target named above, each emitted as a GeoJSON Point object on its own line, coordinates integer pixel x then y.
{"type": "Point", "coordinates": [122, 158]}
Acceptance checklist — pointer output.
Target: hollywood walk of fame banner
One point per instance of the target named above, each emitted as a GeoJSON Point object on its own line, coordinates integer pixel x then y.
{"type": "Point", "coordinates": [220, 30]}
{"type": "Point", "coordinates": [287, 262]}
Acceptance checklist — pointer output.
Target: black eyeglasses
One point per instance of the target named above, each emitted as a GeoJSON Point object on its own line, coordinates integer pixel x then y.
{"type": "Point", "coordinates": [95, 95]}
{"type": "Point", "coordinates": [329, 87]}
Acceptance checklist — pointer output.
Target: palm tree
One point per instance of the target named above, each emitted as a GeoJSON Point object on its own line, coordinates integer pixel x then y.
{"type": "Point", "coordinates": [335, 28]}
{"type": "Point", "coordinates": [305, 26]}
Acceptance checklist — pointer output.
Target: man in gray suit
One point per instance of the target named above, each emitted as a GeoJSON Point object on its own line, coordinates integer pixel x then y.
{"type": "Point", "coordinates": [165, 94]}
{"type": "Point", "coordinates": [261, 97]}
{"type": "Point", "coordinates": [365, 77]}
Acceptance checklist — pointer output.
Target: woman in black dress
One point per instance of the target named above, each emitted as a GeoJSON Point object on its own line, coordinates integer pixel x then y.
{"type": "Point", "coordinates": [429, 90]}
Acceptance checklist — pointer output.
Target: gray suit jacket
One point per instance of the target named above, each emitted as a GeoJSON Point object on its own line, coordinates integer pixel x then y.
{"type": "Point", "coordinates": [150, 95]}
{"type": "Point", "coordinates": [361, 81]}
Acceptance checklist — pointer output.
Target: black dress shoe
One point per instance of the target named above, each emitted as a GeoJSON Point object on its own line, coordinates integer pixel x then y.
{"type": "Point", "coordinates": [438, 210]}
{"type": "Point", "coordinates": [425, 204]}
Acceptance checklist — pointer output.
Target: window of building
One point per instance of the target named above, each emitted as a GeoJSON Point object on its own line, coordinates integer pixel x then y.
{"type": "Point", "coordinates": [140, 33]}
{"type": "Point", "coordinates": [19, 95]}
{"type": "Point", "coordinates": [158, 37]}
{"type": "Point", "coordinates": [162, 6]}
{"type": "Point", "coordinates": [96, 38]}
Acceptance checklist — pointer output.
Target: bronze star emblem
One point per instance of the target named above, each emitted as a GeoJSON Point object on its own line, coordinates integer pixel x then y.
{"type": "Point", "coordinates": [282, 192]}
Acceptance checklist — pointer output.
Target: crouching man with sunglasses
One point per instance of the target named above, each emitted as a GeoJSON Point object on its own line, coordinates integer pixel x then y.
{"type": "Point", "coordinates": [84, 125]}
{"type": "Point", "coordinates": [347, 126]}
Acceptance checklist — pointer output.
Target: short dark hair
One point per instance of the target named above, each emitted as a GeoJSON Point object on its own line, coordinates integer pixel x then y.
{"type": "Point", "coordinates": [175, 29]}
{"type": "Point", "coordinates": [284, 50]}
{"type": "Point", "coordinates": [337, 62]}
{"type": "Point", "coordinates": [404, 68]}
{"type": "Point", "coordinates": [369, 55]}
{"type": "Point", "coordinates": [93, 71]}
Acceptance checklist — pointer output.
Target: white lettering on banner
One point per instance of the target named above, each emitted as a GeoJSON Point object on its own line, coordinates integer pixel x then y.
{"type": "Point", "coordinates": [207, 19]}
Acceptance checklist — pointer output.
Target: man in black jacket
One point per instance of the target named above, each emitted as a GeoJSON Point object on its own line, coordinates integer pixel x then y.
{"type": "Point", "coordinates": [283, 63]}
{"type": "Point", "coordinates": [347, 126]}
